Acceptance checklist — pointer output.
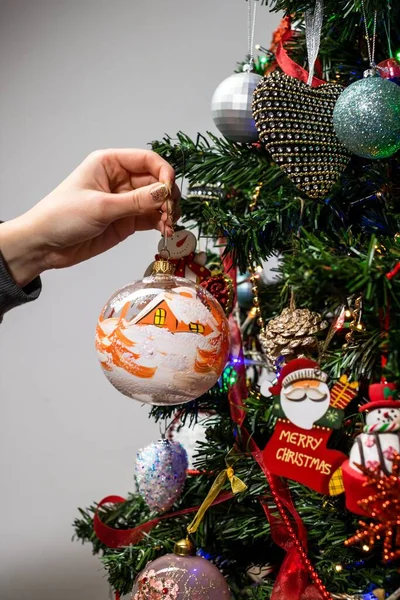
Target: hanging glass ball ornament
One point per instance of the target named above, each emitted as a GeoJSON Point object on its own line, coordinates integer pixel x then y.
{"type": "Point", "coordinates": [366, 117]}
{"type": "Point", "coordinates": [231, 107]}
{"type": "Point", "coordinates": [160, 473]}
{"type": "Point", "coordinates": [390, 69]}
{"type": "Point", "coordinates": [244, 289]}
{"type": "Point", "coordinates": [181, 576]}
{"type": "Point", "coordinates": [163, 340]}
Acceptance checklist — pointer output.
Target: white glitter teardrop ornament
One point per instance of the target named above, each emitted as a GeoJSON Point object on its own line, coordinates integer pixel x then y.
{"type": "Point", "coordinates": [160, 473]}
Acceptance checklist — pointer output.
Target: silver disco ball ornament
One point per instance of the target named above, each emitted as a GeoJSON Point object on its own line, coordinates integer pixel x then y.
{"type": "Point", "coordinates": [231, 107]}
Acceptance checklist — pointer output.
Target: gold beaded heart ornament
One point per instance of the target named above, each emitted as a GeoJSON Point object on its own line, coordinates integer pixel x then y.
{"type": "Point", "coordinates": [294, 122]}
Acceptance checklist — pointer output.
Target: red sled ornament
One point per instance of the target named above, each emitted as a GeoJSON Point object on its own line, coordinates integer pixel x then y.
{"type": "Point", "coordinates": [308, 411]}
{"type": "Point", "coordinates": [376, 447]}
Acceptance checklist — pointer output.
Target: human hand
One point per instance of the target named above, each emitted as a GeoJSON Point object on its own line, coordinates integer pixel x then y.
{"type": "Point", "coordinates": [112, 194]}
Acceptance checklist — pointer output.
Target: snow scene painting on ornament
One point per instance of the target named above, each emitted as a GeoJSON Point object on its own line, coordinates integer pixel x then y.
{"type": "Point", "coordinates": [162, 340]}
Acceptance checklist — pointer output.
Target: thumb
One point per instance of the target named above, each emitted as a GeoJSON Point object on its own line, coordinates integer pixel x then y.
{"type": "Point", "coordinates": [141, 201]}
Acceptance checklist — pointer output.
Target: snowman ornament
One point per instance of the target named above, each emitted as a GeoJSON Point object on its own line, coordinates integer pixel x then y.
{"type": "Point", "coordinates": [182, 254]}
{"type": "Point", "coordinates": [380, 441]}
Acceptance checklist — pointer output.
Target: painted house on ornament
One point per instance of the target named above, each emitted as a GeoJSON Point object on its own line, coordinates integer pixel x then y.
{"type": "Point", "coordinates": [169, 312]}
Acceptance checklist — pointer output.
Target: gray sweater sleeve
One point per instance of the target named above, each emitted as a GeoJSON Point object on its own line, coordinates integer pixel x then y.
{"type": "Point", "coordinates": [11, 294]}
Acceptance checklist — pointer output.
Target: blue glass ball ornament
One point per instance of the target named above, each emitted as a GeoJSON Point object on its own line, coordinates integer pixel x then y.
{"type": "Point", "coordinates": [231, 107]}
{"type": "Point", "coordinates": [244, 289]}
{"type": "Point", "coordinates": [244, 293]}
{"type": "Point", "coordinates": [366, 117]}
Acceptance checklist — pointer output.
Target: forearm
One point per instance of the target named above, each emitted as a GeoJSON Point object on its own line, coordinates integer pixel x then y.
{"type": "Point", "coordinates": [19, 269]}
{"type": "Point", "coordinates": [23, 261]}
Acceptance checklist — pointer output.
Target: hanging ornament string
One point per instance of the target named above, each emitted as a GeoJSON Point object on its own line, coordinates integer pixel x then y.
{"type": "Point", "coordinates": [164, 251]}
{"type": "Point", "coordinates": [370, 47]}
{"type": "Point", "coordinates": [251, 27]}
{"type": "Point", "coordinates": [171, 212]}
{"type": "Point", "coordinates": [313, 21]}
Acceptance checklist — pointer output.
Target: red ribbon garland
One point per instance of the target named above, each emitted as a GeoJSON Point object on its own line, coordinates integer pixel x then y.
{"type": "Point", "coordinates": [120, 538]}
{"type": "Point", "coordinates": [238, 392]}
{"type": "Point", "coordinates": [287, 529]}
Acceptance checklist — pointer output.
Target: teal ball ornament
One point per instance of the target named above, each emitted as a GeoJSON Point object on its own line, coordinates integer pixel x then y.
{"type": "Point", "coordinates": [244, 288]}
{"type": "Point", "coordinates": [366, 117]}
{"type": "Point", "coordinates": [243, 291]}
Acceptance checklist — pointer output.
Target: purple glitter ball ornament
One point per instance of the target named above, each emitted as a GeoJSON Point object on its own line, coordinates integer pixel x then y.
{"type": "Point", "coordinates": [160, 473]}
{"type": "Point", "coordinates": [180, 576]}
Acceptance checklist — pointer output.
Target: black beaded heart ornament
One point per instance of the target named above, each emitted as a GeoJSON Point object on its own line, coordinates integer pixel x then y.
{"type": "Point", "coordinates": [294, 122]}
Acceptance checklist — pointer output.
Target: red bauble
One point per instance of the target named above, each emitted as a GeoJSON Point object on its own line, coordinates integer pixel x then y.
{"type": "Point", "coordinates": [389, 69]}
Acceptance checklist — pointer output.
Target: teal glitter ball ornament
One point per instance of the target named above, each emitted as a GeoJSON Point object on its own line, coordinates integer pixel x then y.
{"type": "Point", "coordinates": [366, 117]}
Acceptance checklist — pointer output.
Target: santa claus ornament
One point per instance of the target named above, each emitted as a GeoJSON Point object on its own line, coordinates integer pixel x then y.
{"type": "Point", "coordinates": [375, 448]}
{"type": "Point", "coordinates": [186, 262]}
{"type": "Point", "coordinates": [307, 412]}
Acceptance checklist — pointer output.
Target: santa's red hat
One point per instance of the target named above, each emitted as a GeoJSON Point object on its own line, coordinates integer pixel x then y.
{"type": "Point", "coordinates": [296, 370]}
{"type": "Point", "coordinates": [381, 395]}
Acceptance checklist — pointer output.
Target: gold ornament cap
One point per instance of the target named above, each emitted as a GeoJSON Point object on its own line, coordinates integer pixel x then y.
{"type": "Point", "coordinates": [184, 548]}
{"type": "Point", "coordinates": [163, 267]}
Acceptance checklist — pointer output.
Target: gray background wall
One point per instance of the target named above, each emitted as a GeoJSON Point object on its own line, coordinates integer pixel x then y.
{"type": "Point", "coordinates": [78, 75]}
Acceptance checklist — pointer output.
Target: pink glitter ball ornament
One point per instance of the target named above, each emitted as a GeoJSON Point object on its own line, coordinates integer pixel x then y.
{"type": "Point", "coordinates": [180, 576]}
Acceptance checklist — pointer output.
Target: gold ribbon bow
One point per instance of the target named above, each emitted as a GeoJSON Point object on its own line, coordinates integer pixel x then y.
{"type": "Point", "coordinates": [237, 486]}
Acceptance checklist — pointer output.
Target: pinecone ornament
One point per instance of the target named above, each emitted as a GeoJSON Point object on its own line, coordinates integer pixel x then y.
{"type": "Point", "coordinates": [292, 334]}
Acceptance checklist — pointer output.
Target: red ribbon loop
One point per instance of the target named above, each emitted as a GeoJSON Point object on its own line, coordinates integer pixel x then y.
{"type": "Point", "coordinates": [290, 67]}
{"type": "Point", "coordinates": [120, 538]}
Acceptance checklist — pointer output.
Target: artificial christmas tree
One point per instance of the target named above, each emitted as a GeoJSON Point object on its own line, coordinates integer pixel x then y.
{"type": "Point", "coordinates": [332, 217]}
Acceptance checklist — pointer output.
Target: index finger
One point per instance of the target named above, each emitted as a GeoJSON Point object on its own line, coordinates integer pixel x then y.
{"type": "Point", "coordinates": [136, 160]}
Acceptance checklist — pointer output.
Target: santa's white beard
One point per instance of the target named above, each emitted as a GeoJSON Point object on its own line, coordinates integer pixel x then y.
{"type": "Point", "coordinates": [304, 414]}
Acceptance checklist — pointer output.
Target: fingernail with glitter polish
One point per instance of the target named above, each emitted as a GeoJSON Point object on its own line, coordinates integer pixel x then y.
{"type": "Point", "coordinates": [159, 193]}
